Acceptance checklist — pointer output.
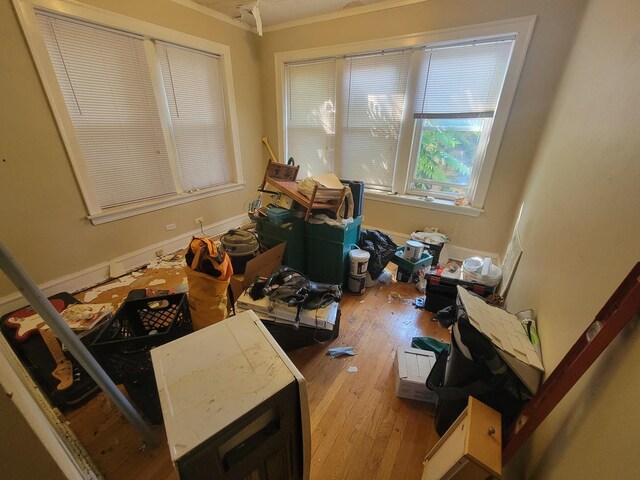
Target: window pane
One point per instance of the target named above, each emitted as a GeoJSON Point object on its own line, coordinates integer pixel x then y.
{"type": "Point", "coordinates": [311, 116]}
{"type": "Point", "coordinates": [106, 85]}
{"type": "Point", "coordinates": [193, 85]}
{"type": "Point", "coordinates": [447, 153]}
{"type": "Point", "coordinates": [463, 78]}
{"type": "Point", "coordinates": [458, 92]}
{"type": "Point", "coordinates": [374, 92]}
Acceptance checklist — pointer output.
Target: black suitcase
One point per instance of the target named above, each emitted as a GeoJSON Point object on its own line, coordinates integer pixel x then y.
{"type": "Point", "coordinates": [38, 361]}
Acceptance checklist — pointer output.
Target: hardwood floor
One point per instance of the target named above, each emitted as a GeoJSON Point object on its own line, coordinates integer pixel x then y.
{"type": "Point", "coordinates": [360, 428]}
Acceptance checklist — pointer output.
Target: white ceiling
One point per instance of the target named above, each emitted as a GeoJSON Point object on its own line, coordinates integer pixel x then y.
{"type": "Point", "coordinates": [275, 12]}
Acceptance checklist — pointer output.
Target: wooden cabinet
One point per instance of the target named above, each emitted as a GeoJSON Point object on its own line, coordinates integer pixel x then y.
{"type": "Point", "coordinates": [470, 449]}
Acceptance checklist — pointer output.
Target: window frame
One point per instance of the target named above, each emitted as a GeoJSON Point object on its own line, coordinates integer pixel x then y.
{"type": "Point", "coordinates": [86, 13]}
{"type": "Point", "coordinates": [521, 28]}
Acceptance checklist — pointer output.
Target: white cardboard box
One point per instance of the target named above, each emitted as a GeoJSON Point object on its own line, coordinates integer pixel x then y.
{"type": "Point", "coordinates": [412, 369]}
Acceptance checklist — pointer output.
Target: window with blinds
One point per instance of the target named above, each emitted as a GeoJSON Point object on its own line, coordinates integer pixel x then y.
{"type": "Point", "coordinates": [374, 91]}
{"type": "Point", "coordinates": [457, 95]}
{"type": "Point", "coordinates": [139, 143]}
{"type": "Point", "coordinates": [193, 85]}
{"type": "Point", "coordinates": [105, 81]}
{"type": "Point", "coordinates": [311, 98]}
{"type": "Point", "coordinates": [345, 115]}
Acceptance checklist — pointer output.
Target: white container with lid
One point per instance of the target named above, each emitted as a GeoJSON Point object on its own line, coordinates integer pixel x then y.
{"type": "Point", "coordinates": [413, 250]}
{"type": "Point", "coordinates": [358, 262]}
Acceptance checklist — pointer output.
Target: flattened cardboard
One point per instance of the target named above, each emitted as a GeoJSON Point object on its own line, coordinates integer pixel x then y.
{"type": "Point", "coordinates": [261, 266]}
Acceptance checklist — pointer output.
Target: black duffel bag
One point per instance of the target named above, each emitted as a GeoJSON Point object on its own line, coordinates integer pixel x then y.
{"type": "Point", "coordinates": [473, 367]}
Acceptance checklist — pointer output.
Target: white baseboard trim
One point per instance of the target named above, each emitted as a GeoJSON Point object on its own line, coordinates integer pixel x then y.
{"type": "Point", "coordinates": [99, 273]}
{"type": "Point", "coordinates": [450, 251]}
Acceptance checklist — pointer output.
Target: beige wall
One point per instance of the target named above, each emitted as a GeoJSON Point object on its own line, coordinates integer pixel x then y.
{"type": "Point", "coordinates": [22, 454]}
{"type": "Point", "coordinates": [42, 214]}
{"type": "Point", "coordinates": [580, 228]}
{"type": "Point", "coordinates": [552, 38]}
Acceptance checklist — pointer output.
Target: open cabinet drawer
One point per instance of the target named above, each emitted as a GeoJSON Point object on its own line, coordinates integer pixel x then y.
{"type": "Point", "coordinates": [471, 449]}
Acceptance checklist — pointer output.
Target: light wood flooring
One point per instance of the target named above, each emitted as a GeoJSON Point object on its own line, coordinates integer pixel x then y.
{"type": "Point", "coordinates": [360, 428]}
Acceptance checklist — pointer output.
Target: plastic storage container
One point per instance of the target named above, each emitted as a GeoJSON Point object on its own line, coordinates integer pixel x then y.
{"type": "Point", "coordinates": [358, 261]}
{"type": "Point", "coordinates": [291, 233]}
{"type": "Point", "coordinates": [327, 250]}
{"type": "Point", "coordinates": [123, 345]}
{"type": "Point", "coordinates": [278, 215]}
{"type": "Point", "coordinates": [411, 266]}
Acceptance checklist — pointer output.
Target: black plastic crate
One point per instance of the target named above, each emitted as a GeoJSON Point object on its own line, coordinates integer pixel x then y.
{"type": "Point", "coordinates": [123, 345]}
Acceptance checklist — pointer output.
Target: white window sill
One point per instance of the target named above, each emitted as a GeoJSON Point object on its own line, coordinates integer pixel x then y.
{"type": "Point", "coordinates": [117, 213]}
{"type": "Point", "coordinates": [415, 201]}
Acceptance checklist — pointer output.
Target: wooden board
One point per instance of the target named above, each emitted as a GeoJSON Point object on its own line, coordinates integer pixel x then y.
{"type": "Point", "coordinates": [623, 305]}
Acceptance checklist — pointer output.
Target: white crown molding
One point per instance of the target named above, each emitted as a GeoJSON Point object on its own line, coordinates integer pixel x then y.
{"type": "Point", "coordinates": [217, 15]}
{"type": "Point", "coordinates": [130, 261]}
{"type": "Point", "coordinates": [349, 12]}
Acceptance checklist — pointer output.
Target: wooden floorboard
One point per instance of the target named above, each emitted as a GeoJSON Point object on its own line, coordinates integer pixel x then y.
{"type": "Point", "coordinates": [360, 428]}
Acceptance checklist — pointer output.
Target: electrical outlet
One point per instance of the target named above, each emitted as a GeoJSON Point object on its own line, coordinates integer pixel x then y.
{"type": "Point", "coordinates": [170, 226]}
{"type": "Point", "coordinates": [199, 220]}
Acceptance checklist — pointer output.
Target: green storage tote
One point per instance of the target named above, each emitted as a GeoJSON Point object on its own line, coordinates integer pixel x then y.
{"type": "Point", "coordinates": [327, 250]}
{"type": "Point", "coordinates": [291, 232]}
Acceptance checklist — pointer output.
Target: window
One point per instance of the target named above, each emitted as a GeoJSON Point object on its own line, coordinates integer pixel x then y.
{"type": "Point", "coordinates": [374, 91]}
{"type": "Point", "coordinates": [369, 115]}
{"type": "Point", "coordinates": [311, 115]}
{"type": "Point", "coordinates": [146, 119]}
{"type": "Point", "coordinates": [458, 92]}
{"type": "Point", "coordinates": [411, 122]}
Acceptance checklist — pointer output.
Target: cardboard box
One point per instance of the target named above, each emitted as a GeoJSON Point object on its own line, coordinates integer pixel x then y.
{"type": "Point", "coordinates": [412, 369]}
{"type": "Point", "coordinates": [261, 266]}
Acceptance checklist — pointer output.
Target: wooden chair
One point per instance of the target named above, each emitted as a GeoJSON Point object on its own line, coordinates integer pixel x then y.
{"type": "Point", "coordinates": [283, 178]}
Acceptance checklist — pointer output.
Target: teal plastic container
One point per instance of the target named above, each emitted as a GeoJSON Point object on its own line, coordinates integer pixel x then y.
{"type": "Point", "coordinates": [409, 266]}
{"type": "Point", "coordinates": [278, 216]}
{"type": "Point", "coordinates": [291, 232]}
{"type": "Point", "coordinates": [327, 251]}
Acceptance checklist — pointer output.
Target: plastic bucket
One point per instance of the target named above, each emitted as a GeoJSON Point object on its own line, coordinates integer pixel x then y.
{"type": "Point", "coordinates": [403, 276]}
{"type": "Point", "coordinates": [413, 250]}
{"type": "Point", "coordinates": [358, 262]}
{"type": "Point", "coordinates": [356, 284]}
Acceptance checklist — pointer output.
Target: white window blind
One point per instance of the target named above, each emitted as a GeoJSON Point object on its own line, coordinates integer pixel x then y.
{"type": "Point", "coordinates": [311, 115]}
{"type": "Point", "coordinates": [374, 92]}
{"type": "Point", "coordinates": [105, 81]}
{"type": "Point", "coordinates": [462, 81]}
{"type": "Point", "coordinates": [194, 90]}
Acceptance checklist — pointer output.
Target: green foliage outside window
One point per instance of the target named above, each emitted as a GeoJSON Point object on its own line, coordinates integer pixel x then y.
{"type": "Point", "coordinates": [447, 151]}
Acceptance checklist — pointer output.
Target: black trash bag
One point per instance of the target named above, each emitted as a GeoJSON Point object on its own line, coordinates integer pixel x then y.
{"type": "Point", "coordinates": [380, 247]}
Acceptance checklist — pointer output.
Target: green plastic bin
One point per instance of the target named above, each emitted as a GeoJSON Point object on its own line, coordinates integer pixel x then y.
{"type": "Point", "coordinates": [292, 233]}
{"type": "Point", "coordinates": [327, 251]}
{"type": "Point", "coordinates": [411, 266]}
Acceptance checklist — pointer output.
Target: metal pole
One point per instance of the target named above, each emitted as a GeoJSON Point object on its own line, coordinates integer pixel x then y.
{"type": "Point", "coordinates": [52, 318]}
